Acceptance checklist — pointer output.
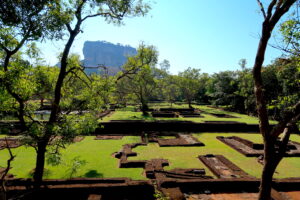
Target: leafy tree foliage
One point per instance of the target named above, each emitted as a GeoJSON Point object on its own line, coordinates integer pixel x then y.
{"type": "Point", "coordinates": [33, 20]}
{"type": "Point", "coordinates": [138, 76]}
{"type": "Point", "coordinates": [221, 88]}
{"type": "Point", "coordinates": [170, 88]}
{"type": "Point", "coordinates": [290, 31]}
{"type": "Point", "coordinates": [189, 81]}
{"type": "Point", "coordinates": [45, 77]}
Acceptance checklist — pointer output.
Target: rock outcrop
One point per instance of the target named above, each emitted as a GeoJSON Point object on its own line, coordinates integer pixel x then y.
{"type": "Point", "coordinates": [113, 56]}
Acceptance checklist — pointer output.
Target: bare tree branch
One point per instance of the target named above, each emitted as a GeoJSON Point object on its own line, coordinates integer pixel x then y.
{"type": "Point", "coordinates": [100, 14]}
{"type": "Point", "coordinates": [262, 8]}
{"type": "Point", "coordinates": [270, 8]}
{"type": "Point", "coordinates": [5, 172]}
{"type": "Point", "coordinates": [69, 27]}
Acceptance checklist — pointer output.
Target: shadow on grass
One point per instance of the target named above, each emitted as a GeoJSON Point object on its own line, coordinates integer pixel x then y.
{"type": "Point", "coordinates": [93, 174]}
{"type": "Point", "coordinates": [46, 173]}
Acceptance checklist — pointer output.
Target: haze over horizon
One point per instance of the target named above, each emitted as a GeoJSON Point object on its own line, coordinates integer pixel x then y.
{"type": "Point", "coordinates": [210, 35]}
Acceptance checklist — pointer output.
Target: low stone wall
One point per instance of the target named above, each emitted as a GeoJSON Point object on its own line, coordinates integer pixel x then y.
{"type": "Point", "coordinates": [82, 188]}
{"type": "Point", "coordinates": [125, 188]}
{"type": "Point", "coordinates": [177, 109]}
{"type": "Point", "coordinates": [137, 127]}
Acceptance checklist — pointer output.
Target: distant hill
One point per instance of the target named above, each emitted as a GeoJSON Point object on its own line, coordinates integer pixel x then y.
{"type": "Point", "coordinates": [113, 56]}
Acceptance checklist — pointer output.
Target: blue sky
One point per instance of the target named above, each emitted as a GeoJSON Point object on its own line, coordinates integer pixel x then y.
{"type": "Point", "coordinates": [212, 35]}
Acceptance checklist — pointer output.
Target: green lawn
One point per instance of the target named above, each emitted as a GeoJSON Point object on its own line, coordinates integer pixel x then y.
{"type": "Point", "coordinates": [96, 153]}
{"type": "Point", "coordinates": [127, 115]}
{"type": "Point", "coordinates": [100, 163]}
{"type": "Point", "coordinates": [130, 114]}
{"type": "Point", "coordinates": [186, 157]}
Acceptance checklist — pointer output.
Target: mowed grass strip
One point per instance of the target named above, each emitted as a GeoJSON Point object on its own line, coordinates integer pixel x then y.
{"type": "Point", "coordinates": [100, 163]}
{"type": "Point", "coordinates": [95, 153]}
{"type": "Point", "coordinates": [240, 117]}
{"type": "Point", "coordinates": [130, 114]}
{"type": "Point", "coordinates": [186, 157]}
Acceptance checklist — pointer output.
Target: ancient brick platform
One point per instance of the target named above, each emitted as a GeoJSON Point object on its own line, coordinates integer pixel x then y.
{"type": "Point", "coordinates": [222, 115]}
{"type": "Point", "coordinates": [108, 137]}
{"type": "Point", "coordinates": [185, 173]}
{"type": "Point", "coordinates": [166, 114]}
{"type": "Point", "coordinates": [176, 112]}
{"type": "Point", "coordinates": [222, 167]}
{"type": "Point", "coordinates": [126, 152]}
{"type": "Point", "coordinates": [251, 149]}
{"type": "Point", "coordinates": [154, 165]}
{"type": "Point", "coordinates": [180, 140]}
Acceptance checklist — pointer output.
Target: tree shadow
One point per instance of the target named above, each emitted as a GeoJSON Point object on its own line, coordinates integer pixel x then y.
{"type": "Point", "coordinates": [46, 173]}
{"type": "Point", "coordinates": [93, 174]}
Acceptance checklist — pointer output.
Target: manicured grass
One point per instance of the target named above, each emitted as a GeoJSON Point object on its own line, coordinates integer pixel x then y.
{"type": "Point", "coordinates": [129, 114]}
{"type": "Point", "coordinates": [186, 157]}
{"type": "Point", "coordinates": [100, 163]}
{"type": "Point", "coordinates": [240, 117]}
{"type": "Point", "coordinates": [96, 154]}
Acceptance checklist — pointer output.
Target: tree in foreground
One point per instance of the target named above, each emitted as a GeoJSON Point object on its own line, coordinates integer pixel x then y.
{"type": "Point", "coordinates": [25, 21]}
{"type": "Point", "coordinates": [272, 156]}
{"type": "Point", "coordinates": [22, 22]}
{"type": "Point", "coordinates": [75, 13]}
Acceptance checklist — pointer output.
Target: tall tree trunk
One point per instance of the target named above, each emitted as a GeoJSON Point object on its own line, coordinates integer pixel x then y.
{"type": "Point", "coordinates": [21, 109]}
{"type": "Point", "coordinates": [190, 104]}
{"type": "Point", "coordinates": [40, 162]}
{"type": "Point", "coordinates": [42, 102]}
{"type": "Point", "coordinates": [272, 15]}
{"type": "Point", "coordinates": [268, 171]}
{"type": "Point", "coordinates": [61, 77]}
{"type": "Point", "coordinates": [145, 107]}
{"type": "Point", "coordinates": [3, 190]}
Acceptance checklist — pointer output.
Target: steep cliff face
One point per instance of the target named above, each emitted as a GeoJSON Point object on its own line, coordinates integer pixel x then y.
{"type": "Point", "coordinates": [104, 53]}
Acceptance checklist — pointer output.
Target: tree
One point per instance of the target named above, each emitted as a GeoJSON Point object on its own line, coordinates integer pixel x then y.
{"type": "Point", "coordinates": [74, 14]}
{"type": "Point", "coordinates": [290, 30]}
{"type": "Point", "coordinates": [22, 84]}
{"type": "Point", "coordinates": [170, 88]}
{"type": "Point", "coordinates": [201, 96]}
{"type": "Point", "coordinates": [162, 76]}
{"type": "Point", "coordinates": [189, 81]}
{"type": "Point", "coordinates": [287, 75]}
{"type": "Point", "coordinates": [222, 87]}
{"type": "Point", "coordinates": [33, 20]}
{"type": "Point", "coordinates": [103, 88]}
{"type": "Point", "coordinates": [245, 90]}
{"type": "Point", "coordinates": [5, 172]}
{"type": "Point", "coordinates": [138, 75]}
{"type": "Point", "coordinates": [276, 9]}
{"type": "Point", "coordinates": [45, 77]}
{"type": "Point", "coordinates": [23, 21]}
